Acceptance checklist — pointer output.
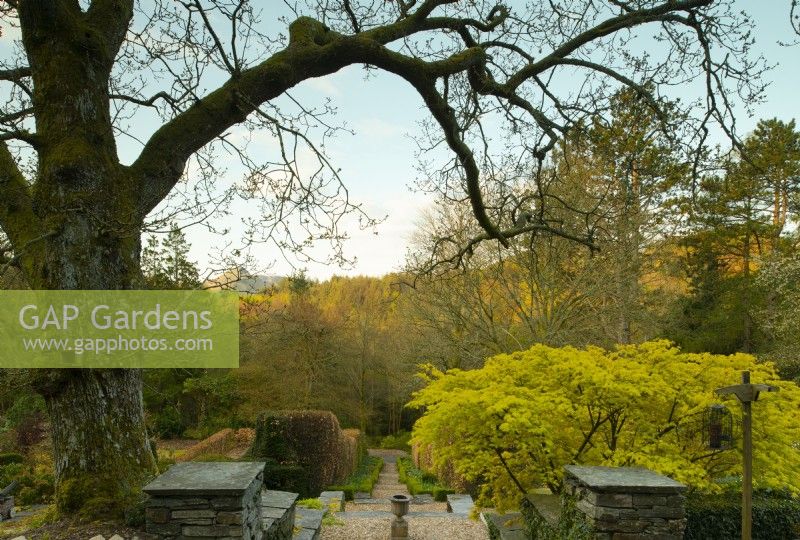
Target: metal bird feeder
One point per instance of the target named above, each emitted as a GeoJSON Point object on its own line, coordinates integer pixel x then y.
{"type": "Point", "coordinates": [718, 426]}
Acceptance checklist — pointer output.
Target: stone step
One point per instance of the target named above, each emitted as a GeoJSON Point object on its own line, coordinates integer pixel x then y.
{"type": "Point", "coordinates": [310, 520]}
{"type": "Point", "coordinates": [419, 499]}
{"type": "Point", "coordinates": [332, 498]}
{"type": "Point", "coordinates": [509, 526]}
{"type": "Point", "coordinates": [278, 514]}
{"type": "Point", "coordinates": [458, 503]}
{"type": "Point", "coordinates": [388, 493]}
{"type": "Point", "coordinates": [306, 534]}
{"type": "Point", "coordinates": [372, 501]}
{"type": "Point", "coordinates": [389, 487]}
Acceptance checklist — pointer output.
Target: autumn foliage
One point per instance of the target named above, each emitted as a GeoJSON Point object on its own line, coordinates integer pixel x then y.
{"type": "Point", "coordinates": [514, 423]}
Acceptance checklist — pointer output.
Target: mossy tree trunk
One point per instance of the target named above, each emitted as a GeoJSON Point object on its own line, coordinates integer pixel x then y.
{"type": "Point", "coordinates": [77, 228]}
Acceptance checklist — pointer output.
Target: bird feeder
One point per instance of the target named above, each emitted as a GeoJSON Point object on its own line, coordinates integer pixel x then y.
{"type": "Point", "coordinates": [718, 426]}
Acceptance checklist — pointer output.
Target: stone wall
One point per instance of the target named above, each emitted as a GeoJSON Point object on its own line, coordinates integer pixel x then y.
{"type": "Point", "coordinates": [209, 500]}
{"type": "Point", "coordinates": [628, 503]}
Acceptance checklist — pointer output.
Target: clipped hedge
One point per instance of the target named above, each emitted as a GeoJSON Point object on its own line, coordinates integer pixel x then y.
{"type": "Point", "coordinates": [305, 450]}
{"type": "Point", "coordinates": [363, 479]}
{"type": "Point", "coordinates": [420, 482]}
{"type": "Point", "coordinates": [424, 457]}
{"type": "Point", "coordinates": [719, 517]}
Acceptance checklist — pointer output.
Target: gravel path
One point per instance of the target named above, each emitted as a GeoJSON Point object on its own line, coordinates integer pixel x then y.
{"type": "Point", "coordinates": [441, 527]}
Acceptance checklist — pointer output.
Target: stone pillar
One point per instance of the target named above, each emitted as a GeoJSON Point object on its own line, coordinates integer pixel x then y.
{"type": "Point", "coordinates": [627, 503]}
{"type": "Point", "coordinates": [209, 500]}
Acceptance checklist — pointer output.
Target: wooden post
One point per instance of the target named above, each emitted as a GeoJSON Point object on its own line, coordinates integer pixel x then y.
{"type": "Point", "coordinates": [747, 393]}
{"type": "Point", "coordinates": [747, 450]}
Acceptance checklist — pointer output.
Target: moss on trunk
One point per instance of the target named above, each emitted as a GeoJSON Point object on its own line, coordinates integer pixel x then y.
{"type": "Point", "coordinates": [102, 453]}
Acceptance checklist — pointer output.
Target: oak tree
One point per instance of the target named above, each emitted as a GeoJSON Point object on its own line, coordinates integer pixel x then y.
{"type": "Point", "coordinates": [83, 75]}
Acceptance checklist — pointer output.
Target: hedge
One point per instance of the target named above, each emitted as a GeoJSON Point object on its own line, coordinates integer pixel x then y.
{"type": "Point", "coordinates": [719, 517]}
{"type": "Point", "coordinates": [305, 450]}
{"type": "Point", "coordinates": [424, 458]}
{"type": "Point", "coordinates": [420, 482]}
{"type": "Point", "coordinates": [362, 480]}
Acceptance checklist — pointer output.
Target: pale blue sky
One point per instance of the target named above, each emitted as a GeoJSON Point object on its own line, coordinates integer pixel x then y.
{"type": "Point", "coordinates": [378, 165]}
{"type": "Point", "coordinates": [378, 161]}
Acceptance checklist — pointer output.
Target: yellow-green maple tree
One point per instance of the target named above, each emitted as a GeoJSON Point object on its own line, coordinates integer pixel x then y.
{"type": "Point", "coordinates": [514, 424]}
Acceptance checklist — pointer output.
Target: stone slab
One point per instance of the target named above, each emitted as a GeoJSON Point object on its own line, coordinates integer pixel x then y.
{"type": "Point", "coordinates": [458, 503]}
{"type": "Point", "coordinates": [278, 499]}
{"type": "Point", "coordinates": [308, 518]}
{"type": "Point", "coordinates": [336, 498]}
{"type": "Point", "coordinates": [548, 506]}
{"type": "Point", "coordinates": [510, 526]}
{"type": "Point", "coordinates": [210, 478]}
{"type": "Point", "coordinates": [306, 534]}
{"type": "Point", "coordinates": [621, 480]}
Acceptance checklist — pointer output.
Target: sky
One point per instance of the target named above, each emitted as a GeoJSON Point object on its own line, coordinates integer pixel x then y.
{"type": "Point", "coordinates": [378, 160]}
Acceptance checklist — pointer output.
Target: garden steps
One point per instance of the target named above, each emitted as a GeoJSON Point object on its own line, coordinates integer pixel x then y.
{"type": "Point", "coordinates": [308, 524]}
{"type": "Point", "coordinates": [390, 487]}
{"type": "Point", "coordinates": [278, 510]}
{"type": "Point", "coordinates": [510, 526]}
{"type": "Point", "coordinates": [371, 517]}
{"type": "Point", "coordinates": [383, 514]}
{"type": "Point", "coordinates": [461, 504]}
{"type": "Point", "coordinates": [335, 498]}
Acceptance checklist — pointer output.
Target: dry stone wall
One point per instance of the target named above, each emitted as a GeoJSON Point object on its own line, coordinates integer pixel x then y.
{"type": "Point", "coordinates": [206, 500]}
{"type": "Point", "coordinates": [628, 503]}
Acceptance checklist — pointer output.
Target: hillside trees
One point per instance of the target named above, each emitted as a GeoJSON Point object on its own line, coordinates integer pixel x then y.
{"type": "Point", "coordinates": [82, 71]}
{"type": "Point", "coordinates": [740, 217]}
{"type": "Point", "coordinates": [627, 170]}
{"type": "Point", "coordinates": [346, 345]}
{"type": "Point", "coordinates": [636, 170]}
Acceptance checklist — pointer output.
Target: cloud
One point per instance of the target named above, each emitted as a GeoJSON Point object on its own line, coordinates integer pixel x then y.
{"type": "Point", "coordinates": [323, 85]}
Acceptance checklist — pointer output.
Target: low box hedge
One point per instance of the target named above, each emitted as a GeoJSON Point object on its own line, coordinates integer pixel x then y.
{"type": "Point", "coordinates": [719, 517]}
{"type": "Point", "coordinates": [362, 480]}
{"type": "Point", "coordinates": [420, 482]}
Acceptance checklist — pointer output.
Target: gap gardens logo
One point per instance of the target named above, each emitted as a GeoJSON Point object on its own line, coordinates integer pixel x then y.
{"type": "Point", "coordinates": [116, 329]}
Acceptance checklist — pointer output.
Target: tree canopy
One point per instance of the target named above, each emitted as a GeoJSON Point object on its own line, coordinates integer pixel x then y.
{"type": "Point", "coordinates": [80, 74]}
{"type": "Point", "coordinates": [515, 422]}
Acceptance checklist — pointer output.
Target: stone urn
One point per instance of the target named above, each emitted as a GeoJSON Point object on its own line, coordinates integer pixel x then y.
{"type": "Point", "coordinates": [399, 509]}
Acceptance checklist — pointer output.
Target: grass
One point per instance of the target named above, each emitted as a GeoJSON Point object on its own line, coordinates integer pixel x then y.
{"type": "Point", "coordinates": [398, 441]}
{"type": "Point", "coordinates": [363, 478]}
{"type": "Point", "coordinates": [313, 504]}
{"type": "Point", "coordinates": [419, 482]}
